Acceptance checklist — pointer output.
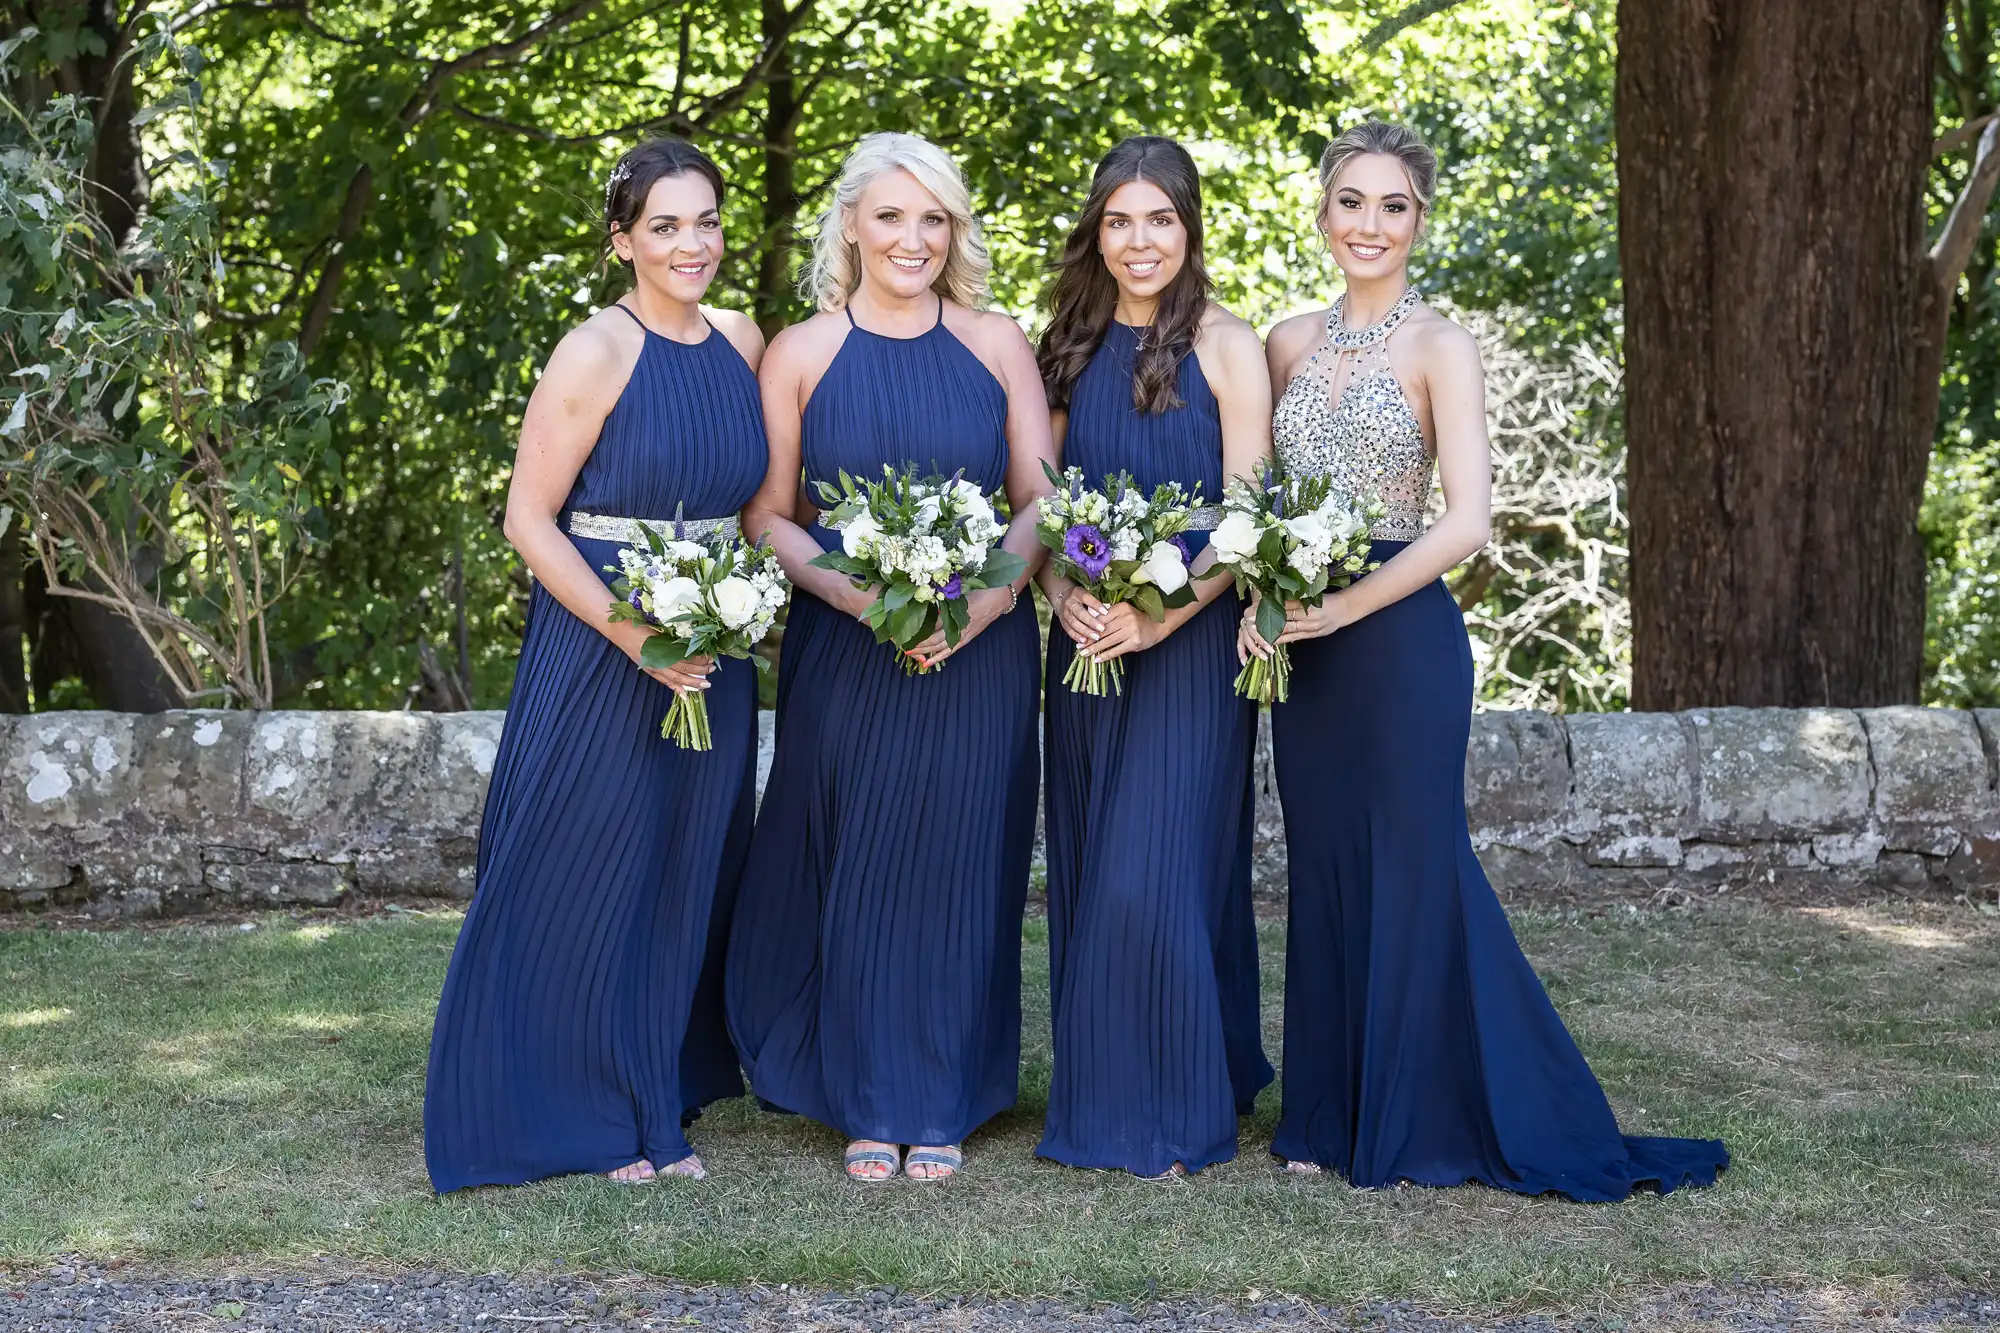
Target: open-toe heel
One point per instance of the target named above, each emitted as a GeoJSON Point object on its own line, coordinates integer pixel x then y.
{"type": "Point", "coordinates": [943, 1163]}
{"type": "Point", "coordinates": [861, 1156]}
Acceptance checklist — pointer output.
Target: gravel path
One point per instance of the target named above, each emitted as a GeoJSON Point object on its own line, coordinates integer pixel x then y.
{"type": "Point", "coordinates": [80, 1297]}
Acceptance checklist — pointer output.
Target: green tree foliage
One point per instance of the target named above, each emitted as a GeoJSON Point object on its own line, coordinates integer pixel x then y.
{"type": "Point", "coordinates": [416, 191]}
{"type": "Point", "coordinates": [151, 479]}
{"type": "Point", "coordinates": [412, 192]}
{"type": "Point", "coordinates": [1961, 518]}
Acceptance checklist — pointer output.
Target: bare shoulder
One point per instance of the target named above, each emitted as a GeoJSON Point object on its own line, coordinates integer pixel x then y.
{"type": "Point", "coordinates": [1294, 336]}
{"type": "Point", "coordinates": [807, 347]}
{"type": "Point", "coordinates": [595, 358]}
{"type": "Point", "coordinates": [741, 331]}
{"type": "Point", "coordinates": [1228, 332]}
{"type": "Point", "coordinates": [1441, 343]}
{"type": "Point", "coordinates": [992, 333]}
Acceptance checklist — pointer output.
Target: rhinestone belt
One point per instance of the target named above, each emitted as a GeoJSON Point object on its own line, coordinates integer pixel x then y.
{"type": "Point", "coordinates": [603, 528]}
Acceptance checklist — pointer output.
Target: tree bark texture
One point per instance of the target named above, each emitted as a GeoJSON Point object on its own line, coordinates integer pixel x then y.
{"type": "Point", "coordinates": [1782, 339]}
{"type": "Point", "coordinates": [781, 194]}
{"type": "Point", "coordinates": [13, 626]}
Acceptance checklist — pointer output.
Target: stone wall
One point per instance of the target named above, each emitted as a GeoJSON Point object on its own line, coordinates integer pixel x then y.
{"type": "Point", "coordinates": [178, 812]}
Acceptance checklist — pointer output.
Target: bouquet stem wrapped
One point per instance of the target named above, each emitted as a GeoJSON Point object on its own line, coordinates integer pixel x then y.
{"type": "Point", "coordinates": [926, 542]}
{"type": "Point", "coordinates": [1124, 545]}
{"type": "Point", "coordinates": [717, 597]}
{"type": "Point", "coordinates": [1288, 537]}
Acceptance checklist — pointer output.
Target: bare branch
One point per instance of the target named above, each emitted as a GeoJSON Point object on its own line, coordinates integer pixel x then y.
{"type": "Point", "coordinates": [1953, 140]}
{"type": "Point", "coordinates": [1409, 17]}
{"type": "Point", "coordinates": [1960, 236]}
{"type": "Point", "coordinates": [361, 187]}
{"type": "Point", "coordinates": [419, 104]}
{"type": "Point", "coordinates": [681, 57]}
{"type": "Point", "coordinates": [714, 107]}
{"type": "Point", "coordinates": [679, 124]}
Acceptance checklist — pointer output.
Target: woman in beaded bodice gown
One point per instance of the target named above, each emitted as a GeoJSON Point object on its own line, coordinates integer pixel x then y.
{"type": "Point", "coordinates": [1152, 945]}
{"type": "Point", "coordinates": [874, 971]}
{"type": "Point", "coordinates": [1419, 1044]}
{"type": "Point", "coordinates": [581, 1022]}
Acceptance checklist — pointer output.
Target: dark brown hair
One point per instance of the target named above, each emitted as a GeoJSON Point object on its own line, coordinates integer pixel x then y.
{"type": "Point", "coordinates": [637, 172]}
{"type": "Point", "coordinates": [1084, 296]}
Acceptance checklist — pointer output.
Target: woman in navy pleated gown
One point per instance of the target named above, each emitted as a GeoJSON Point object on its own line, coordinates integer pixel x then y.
{"type": "Point", "coordinates": [581, 1024]}
{"type": "Point", "coordinates": [1419, 1044]}
{"type": "Point", "coordinates": [874, 969]}
{"type": "Point", "coordinates": [1152, 946]}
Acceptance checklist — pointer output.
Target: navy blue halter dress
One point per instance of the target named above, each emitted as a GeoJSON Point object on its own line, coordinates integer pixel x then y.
{"type": "Point", "coordinates": [1419, 1044]}
{"type": "Point", "coordinates": [581, 1021]}
{"type": "Point", "coordinates": [874, 970]}
{"type": "Point", "coordinates": [1152, 945]}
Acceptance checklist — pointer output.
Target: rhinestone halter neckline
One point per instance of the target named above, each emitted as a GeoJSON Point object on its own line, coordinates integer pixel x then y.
{"type": "Point", "coordinates": [1343, 339]}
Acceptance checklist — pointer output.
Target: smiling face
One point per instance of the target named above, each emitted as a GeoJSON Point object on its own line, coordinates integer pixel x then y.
{"type": "Point", "coordinates": [1142, 238]}
{"type": "Point", "coordinates": [675, 244]}
{"type": "Point", "coordinates": [902, 235]}
{"type": "Point", "coordinates": [1371, 217]}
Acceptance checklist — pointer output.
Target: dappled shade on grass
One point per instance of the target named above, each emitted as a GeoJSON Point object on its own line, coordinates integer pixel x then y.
{"type": "Point", "coordinates": [195, 1093]}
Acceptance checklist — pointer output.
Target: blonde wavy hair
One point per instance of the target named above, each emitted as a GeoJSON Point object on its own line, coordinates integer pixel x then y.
{"type": "Point", "coordinates": [835, 270]}
{"type": "Point", "coordinates": [1372, 137]}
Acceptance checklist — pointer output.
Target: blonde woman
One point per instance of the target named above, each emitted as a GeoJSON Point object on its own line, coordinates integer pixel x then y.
{"type": "Point", "coordinates": [874, 970]}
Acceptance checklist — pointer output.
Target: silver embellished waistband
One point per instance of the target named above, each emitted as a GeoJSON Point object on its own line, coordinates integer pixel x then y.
{"type": "Point", "coordinates": [604, 528]}
{"type": "Point", "coordinates": [1204, 519]}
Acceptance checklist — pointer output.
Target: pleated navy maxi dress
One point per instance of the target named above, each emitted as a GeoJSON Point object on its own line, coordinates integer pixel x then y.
{"type": "Point", "coordinates": [1152, 944]}
{"type": "Point", "coordinates": [1419, 1044]}
{"type": "Point", "coordinates": [582, 1017]}
{"type": "Point", "coordinates": [874, 970]}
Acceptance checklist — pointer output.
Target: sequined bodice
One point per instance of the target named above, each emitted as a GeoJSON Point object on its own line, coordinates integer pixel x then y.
{"type": "Point", "coordinates": [1367, 440]}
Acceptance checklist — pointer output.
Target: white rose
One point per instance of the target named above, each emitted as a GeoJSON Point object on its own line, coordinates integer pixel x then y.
{"type": "Point", "coordinates": [1163, 568]}
{"type": "Point", "coordinates": [736, 602]}
{"type": "Point", "coordinates": [674, 599]}
{"type": "Point", "coordinates": [1235, 538]}
{"type": "Point", "coordinates": [858, 534]}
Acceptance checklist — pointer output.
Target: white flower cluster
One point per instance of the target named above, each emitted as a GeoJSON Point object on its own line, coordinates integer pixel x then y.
{"type": "Point", "coordinates": [1310, 537]}
{"type": "Point", "coordinates": [686, 583]}
{"type": "Point", "coordinates": [1130, 524]}
{"type": "Point", "coordinates": [944, 530]}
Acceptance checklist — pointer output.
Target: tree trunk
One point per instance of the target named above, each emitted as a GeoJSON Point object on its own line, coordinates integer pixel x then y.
{"type": "Point", "coordinates": [1783, 334]}
{"type": "Point", "coordinates": [781, 195]}
{"type": "Point", "coordinates": [13, 627]}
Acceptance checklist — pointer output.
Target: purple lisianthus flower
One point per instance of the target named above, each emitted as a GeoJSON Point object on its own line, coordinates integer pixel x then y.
{"type": "Point", "coordinates": [1180, 544]}
{"type": "Point", "coordinates": [637, 599]}
{"type": "Point", "coordinates": [1084, 544]}
{"type": "Point", "coordinates": [952, 588]}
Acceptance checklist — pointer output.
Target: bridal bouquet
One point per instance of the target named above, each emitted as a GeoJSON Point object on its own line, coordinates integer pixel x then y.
{"type": "Point", "coordinates": [926, 542]}
{"type": "Point", "coordinates": [1288, 538]}
{"type": "Point", "coordinates": [718, 596]}
{"type": "Point", "coordinates": [1122, 544]}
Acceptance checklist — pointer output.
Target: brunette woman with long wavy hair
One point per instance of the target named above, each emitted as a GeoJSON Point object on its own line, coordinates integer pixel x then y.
{"type": "Point", "coordinates": [1152, 947]}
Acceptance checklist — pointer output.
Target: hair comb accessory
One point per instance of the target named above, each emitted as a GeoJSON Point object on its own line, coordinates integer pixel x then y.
{"type": "Point", "coordinates": [619, 174]}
